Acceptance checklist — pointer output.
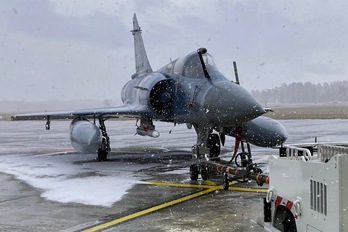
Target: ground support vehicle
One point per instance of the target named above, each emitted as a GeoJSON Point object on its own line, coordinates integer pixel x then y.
{"type": "Point", "coordinates": [308, 188]}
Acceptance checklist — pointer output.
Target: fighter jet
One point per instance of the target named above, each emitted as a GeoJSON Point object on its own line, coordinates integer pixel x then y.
{"type": "Point", "coordinates": [190, 90]}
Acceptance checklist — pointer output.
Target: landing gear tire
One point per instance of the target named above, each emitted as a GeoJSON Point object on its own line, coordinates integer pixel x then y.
{"type": "Point", "coordinates": [214, 145]}
{"type": "Point", "coordinates": [102, 155]}
{"type": "Point", "coordinates": [194, 172]}
{"type": "Point", "coordinates": [204, 173]}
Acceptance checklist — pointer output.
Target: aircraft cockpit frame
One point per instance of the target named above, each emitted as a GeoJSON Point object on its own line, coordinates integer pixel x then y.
{"type": "Point", "coordinates": [191, 66]}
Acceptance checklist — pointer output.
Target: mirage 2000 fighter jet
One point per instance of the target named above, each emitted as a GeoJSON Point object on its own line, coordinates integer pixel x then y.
{"type": "Point", "coordinates": [189, 90]}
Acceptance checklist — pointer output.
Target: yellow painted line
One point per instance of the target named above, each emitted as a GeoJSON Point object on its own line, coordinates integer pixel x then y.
{"type": "Point", "coordinates": [150, 210]}
{"type": "Point", "coordinates": [208, 189]}
{"type": "Point", "coordinates": [209, 183]}
{"type": "Point", "coordinates": [182, 185]}
{"type": "Point", "coordinates": [247, 189]}
{"type": "Point", "coordinates": [231, 188]}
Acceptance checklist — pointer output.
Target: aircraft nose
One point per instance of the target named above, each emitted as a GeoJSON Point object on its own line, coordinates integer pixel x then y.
{"type": "Point", "coordinates": [282, 135]}
{"type": "Point", "coordinates": [227, 103]}
{"type": "Point", "coordinates": [277, 133]}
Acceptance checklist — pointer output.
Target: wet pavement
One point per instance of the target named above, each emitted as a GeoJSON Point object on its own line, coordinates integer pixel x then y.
{"type": "Point", "coordinates": [145, 185]}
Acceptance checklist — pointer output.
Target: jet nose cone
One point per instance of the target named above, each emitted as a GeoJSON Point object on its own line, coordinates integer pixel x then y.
{"type": "Point", "coordinates": [264, 132]}
{"type": "Point", "coordinates": [278, 134]}
{"type": "Point", "coordinates": [282, 135]}
{"type": "Point", "coordinates": [227, 103]}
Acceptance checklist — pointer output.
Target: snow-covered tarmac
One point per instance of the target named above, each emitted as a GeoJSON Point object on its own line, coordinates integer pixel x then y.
{"type": "Point", "coordinates": [73, 191]}
{"type": "Point", "coordinates": [67, 177]}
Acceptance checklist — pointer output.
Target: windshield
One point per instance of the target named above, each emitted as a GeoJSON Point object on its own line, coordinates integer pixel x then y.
{"type": "Point", "coordinates": [190, 65]}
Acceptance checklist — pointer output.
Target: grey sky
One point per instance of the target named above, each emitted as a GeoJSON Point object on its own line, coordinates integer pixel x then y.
{"type": "Point", "coordinates": [69, 50]}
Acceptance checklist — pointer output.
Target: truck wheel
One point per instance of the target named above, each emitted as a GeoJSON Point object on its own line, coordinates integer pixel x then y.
{"type": "Point", "coordinates": [284, 219]}
{"type": "Point", "coordinates": [289, 223]}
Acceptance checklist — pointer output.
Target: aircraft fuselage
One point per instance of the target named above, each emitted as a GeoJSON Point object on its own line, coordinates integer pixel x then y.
{"type": "Point", "coordinates": [171, 94]}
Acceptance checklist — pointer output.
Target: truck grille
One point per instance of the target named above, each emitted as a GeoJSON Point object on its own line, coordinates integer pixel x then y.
{"type": "Point", "coordinates": [318, 193]}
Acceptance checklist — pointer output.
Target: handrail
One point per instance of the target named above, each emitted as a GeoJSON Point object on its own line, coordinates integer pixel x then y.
{"type": "Point", "coordinates": [292, 152]}
{"type": "Point", "coordinates": [326, 151]}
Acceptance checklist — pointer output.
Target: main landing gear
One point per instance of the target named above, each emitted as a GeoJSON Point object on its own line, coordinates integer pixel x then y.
{"type": "Point", "coordinates": [104, 148]}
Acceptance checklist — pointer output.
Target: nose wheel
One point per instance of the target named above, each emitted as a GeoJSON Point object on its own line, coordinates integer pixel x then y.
{"type": "Point", "coordinates": [195, 170]}
{"type": "Point", "coordinates": [103, 151]}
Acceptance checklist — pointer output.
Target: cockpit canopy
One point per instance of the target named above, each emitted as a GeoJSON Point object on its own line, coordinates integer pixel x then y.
{"type": "Point", "coordinates": [190, 65]}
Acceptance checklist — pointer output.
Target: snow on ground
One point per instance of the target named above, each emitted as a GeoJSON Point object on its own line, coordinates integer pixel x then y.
{"type": "Point", "coordinates": [60, 180]}
{"type": "Point", "coordinates": [77, 178]}
{"type": "Point", "coordinates": [31, 154]}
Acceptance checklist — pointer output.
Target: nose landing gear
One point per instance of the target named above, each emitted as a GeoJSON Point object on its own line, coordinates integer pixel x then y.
{"type": "Point", "coordinates": [214, 145]}
{"type": "Point", "coordinates": [196, 169]}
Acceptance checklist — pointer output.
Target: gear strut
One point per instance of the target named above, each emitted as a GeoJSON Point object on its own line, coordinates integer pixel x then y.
{"type": "Point", "coordinates": [104, 148]}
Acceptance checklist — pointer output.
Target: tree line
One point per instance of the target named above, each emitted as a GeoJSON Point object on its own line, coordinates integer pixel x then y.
{"type": "Point", "coordinates": [298, 92]}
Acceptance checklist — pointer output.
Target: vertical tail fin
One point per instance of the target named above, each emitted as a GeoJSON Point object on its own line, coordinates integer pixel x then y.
{"type": "Point", "coordinates": [142, 65]}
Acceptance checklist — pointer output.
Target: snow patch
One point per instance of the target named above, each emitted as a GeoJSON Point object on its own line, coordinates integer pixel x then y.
{"type": "Point", "coordinates": [62, 181]}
